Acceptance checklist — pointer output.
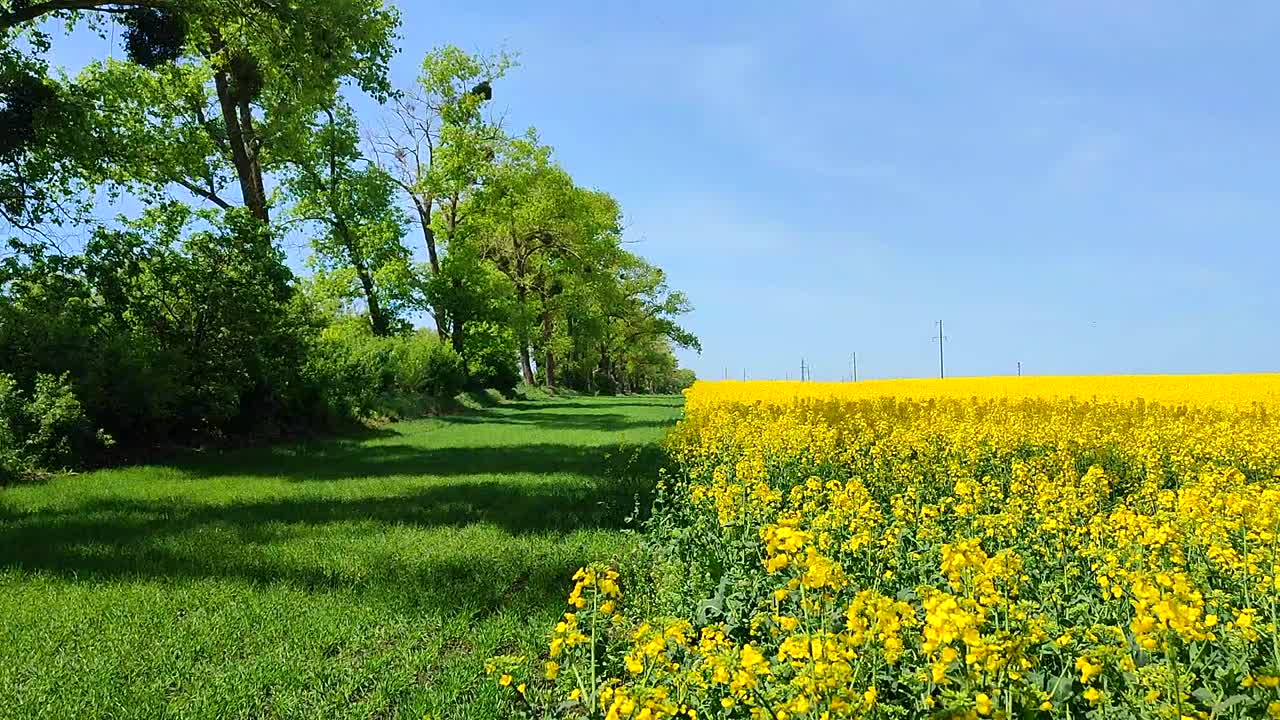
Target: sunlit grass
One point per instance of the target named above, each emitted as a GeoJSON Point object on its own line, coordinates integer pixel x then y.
{"type": "Point", "coordinates": [365, 578]}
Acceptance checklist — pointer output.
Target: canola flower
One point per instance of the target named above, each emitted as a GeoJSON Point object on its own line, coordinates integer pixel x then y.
{"type": "Point", "coordinates": [979, 548]}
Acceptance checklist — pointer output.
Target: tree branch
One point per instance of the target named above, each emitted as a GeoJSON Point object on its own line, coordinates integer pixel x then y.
{"type": "Point", "coordinates": [209, 127]}
{"type": "Point", "coordinates": [40, 9]}
{"type": "Point", "coordinates": [209, 195]}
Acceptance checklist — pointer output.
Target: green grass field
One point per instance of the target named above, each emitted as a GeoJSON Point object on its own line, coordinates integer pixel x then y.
{"type": "Point", "coordinates": [358, 578]}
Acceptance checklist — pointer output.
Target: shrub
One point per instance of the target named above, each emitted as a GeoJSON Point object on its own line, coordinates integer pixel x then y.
{"type": "Point", "coordinates": [47, 431]}
{"type": "Point", "coordinates": [353, 374]}
{"type": "Point", "coordinates": [679, 381]}
{"type": "Point", "coordinates": [604, 383]}
{"type": "Point", "coordinates": [491, 357]}
{"type": "Point", "coordinates": [426, 366]}
{"type": "Point", "coordinates": [348, 372]}
{"type": "Point", "coordinates": [12, 419]}
{"type": "Point", "coordinates": [60, 433]}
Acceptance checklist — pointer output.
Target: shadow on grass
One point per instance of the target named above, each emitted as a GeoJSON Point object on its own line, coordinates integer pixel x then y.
{"type": "Point", "coordinates": [352, 461]}
{"type": "Point", "coordinates": [327, 540]}
{"type": "Point", "coordinates": [120, 532]}
{"type": "Point", "coordinates": [647, 401]}
{"type": "Point", "coordinates": [118, 538]}
{"type": "Point", "coordinates": [604, 422]}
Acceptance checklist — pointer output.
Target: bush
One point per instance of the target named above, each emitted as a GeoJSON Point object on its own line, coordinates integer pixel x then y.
{"type": "Point", "coordinates": [348, 373]}
{"type": "Point", "coordinates": [353, 374]}
{"type": "Point", "coordinates": [60, 433]}
{"type": "Point", "coordinates": [679, 381]}
{"type": "Point", "coordinates": [604, 383]}
{"type": "Point", "coordinates": [48, 431]}
{"type": "Point", "coordinates": [426, 366]}
{"type": "Point", "coordinates": [12, 417]}
{"type": "Point", "coordinates": [491, 357]}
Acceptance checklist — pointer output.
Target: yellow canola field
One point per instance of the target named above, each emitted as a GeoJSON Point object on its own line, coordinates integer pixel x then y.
{"type": "Point", "coordinates": [1216, 391]}
{"type": "Point", "coordinates": [1101, 547]}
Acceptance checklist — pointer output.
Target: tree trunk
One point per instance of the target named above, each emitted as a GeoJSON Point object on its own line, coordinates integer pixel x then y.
{"type": "Point", "coordinates": [376, 317]}
{"type": "Point", "coordinates": [456, 335]}
{"type": "Point", "coordinates": [522, 296]}
{"type": "Point", "coordinates": [429, 236]}
{"type": "Point", "coordinates": [251, 151]}
{"type": "Point", "coordinates": [549, 358]}
{"type": "Point", "coordinates": [239, 138]}
{"type": "Point", "coordinates": [526, 364]}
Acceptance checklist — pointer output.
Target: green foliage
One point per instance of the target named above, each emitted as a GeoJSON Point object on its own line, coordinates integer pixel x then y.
{"type": "Point", "coordinates": [359, 253]}
{"type": "Point", "coordinates": [214, 301]}
{"type": "Point", "coordinates": [680, 380]}
{"type": "Point", "coordinates": [53, 321]}
{"type": "Point", "coordinates": [46, 144]}
{"type": "Point", "coordinates": [173, 327]}
{"type": "Point", "coordinates": [354, 374]}
{"type": "Point", "coordinates": [216, 92]}
{"type": "Point", "coordinates": [426, 366]}
{"type": "Point", "coordinates": [491, 356]}
{"type": "Point", "coordinates": [59, 433]}
{"type": "Point", "coordinates": [43, 429]}
{"type": "Point", "coordinates": [348, 373]}
{"type": "Point", "coordinates": [13, 460]}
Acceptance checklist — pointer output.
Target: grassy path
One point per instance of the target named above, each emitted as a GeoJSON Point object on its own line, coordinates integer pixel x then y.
{"type": "Point", "coordinates": [348, 579]}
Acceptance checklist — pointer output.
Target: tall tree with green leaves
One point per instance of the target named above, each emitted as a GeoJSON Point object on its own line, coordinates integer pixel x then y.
{"type": "Point", "coordinates": [534, 225]}
{"type": "Point", "coordinates": [437, 144]}
{"type": "Point", "coordinates": [587, 246]}
{"type": "Point", "coordinates": [213, 95]}
{"type": "Point", "coordinates": [359, 251]}
{"type": "Point", "coordinates": [642, 309]}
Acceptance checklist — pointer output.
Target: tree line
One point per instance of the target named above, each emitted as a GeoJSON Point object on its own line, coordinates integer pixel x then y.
{"type": "Point", "coordinates": [227, 124]}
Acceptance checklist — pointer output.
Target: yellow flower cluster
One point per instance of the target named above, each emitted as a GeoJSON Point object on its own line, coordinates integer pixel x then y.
{"type": "Point", "coordinates": [1003, 547]}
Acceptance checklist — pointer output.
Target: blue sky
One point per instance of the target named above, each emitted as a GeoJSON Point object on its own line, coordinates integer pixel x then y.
{"type": "Point", "coordinates": [1085, 187]}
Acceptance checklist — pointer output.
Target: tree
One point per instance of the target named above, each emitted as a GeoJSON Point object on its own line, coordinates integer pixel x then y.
{"type": "Point", "coordinates": [588, 245]}
{"type": "Point", "coordinates": [215, 92]}
{"type": "Point", "coordinates": [526, 209]}
{"type": "Point", "coordinates": [437, 143]}
{"type": "Point", "coordinates": [360, 250]}
{"type": "Point", "coordinates": [641, 311]}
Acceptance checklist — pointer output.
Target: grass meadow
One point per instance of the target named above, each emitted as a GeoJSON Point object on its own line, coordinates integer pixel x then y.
{"type": "Point", "coordinates": [364, 577]}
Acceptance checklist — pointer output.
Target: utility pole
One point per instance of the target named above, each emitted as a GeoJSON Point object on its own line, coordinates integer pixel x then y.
{"type": "Point", "coordinates": [941, 339]}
